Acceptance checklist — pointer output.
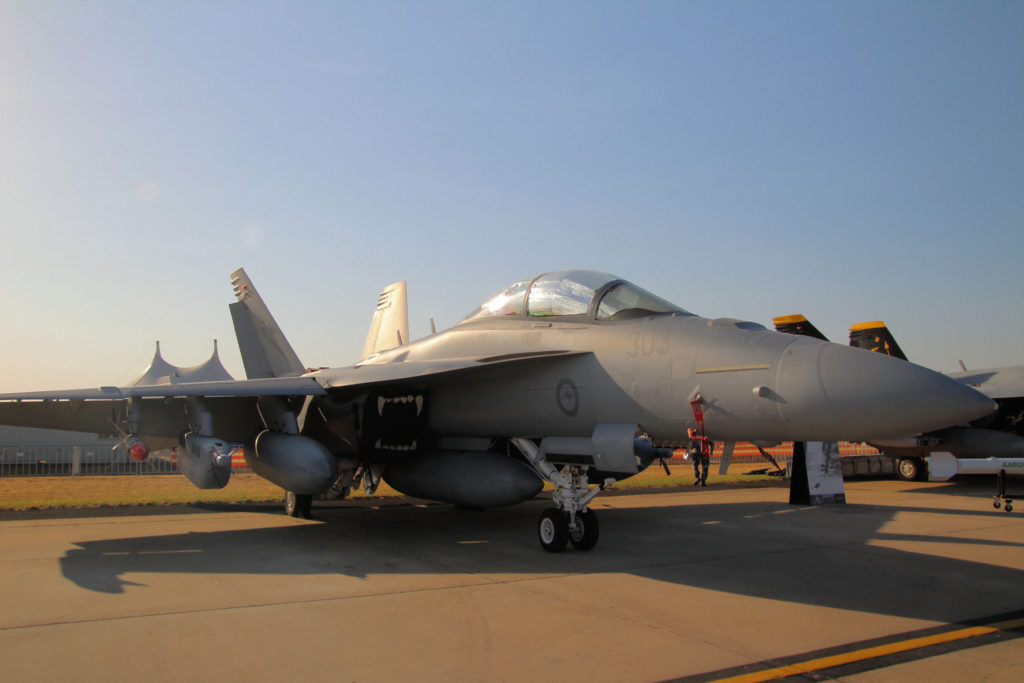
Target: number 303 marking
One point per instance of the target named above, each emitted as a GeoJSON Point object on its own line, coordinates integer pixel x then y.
{"type": "Point", "coordinates": [650, 342]}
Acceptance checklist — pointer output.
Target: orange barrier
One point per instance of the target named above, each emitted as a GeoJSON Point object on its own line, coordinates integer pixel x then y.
{"type": "Point", "coordinates": [747, 452]}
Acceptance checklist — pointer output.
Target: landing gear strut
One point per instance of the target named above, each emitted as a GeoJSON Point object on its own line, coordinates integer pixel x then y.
{"type": "Point", "coordinates": [570, 521]}
{"type": "Point", "coordinates": [298, 505]}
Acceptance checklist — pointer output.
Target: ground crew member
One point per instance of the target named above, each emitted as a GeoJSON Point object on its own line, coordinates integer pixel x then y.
{"type": "Point", "coordinates": [700, 452]}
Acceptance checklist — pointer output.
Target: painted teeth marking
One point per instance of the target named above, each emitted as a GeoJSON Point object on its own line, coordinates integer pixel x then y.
{"type": "Point", "coordinates": [380, 405]}
{"type": "Point", "coordinates": [395, 447]}
{"type": "Point", "coordinates": [419, 405]}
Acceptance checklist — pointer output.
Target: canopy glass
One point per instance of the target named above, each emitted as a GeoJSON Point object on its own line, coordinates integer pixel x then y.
{"type": "Point", "coordinates": [575, 293]}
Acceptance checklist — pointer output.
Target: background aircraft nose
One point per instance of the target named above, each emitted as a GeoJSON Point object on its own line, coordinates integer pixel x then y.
{"type": "Point", "coordinates": [827, 391]}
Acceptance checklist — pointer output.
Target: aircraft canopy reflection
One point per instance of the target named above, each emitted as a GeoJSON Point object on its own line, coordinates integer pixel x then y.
{"type": "Point", "coordinates": [583, 294]}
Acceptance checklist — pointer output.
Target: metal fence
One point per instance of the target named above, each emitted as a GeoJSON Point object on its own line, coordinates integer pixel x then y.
{"type": "Point", "coordinates": [55, 461]}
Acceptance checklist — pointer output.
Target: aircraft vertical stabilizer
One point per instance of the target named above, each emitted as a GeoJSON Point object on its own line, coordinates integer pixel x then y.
{"type": "Point", "coordinates": [264, 348]}
{"type": "Point", "coordinates": [875, 336]}
{"type": "Point", "coordinates": [797, 324]}
{"type": "Point", "coordinates": [390, 326]}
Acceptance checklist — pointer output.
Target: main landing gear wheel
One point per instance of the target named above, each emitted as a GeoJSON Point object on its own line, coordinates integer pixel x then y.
{"type": "Point", "coordinates": [571, 520]}
{"type": "Point", "coordinates": [298, 505]}
{"type": "Point", "coordinates": [553, 530]}
{"type": "Point", "coordinates": [910, 469]}
{"type": "Point", "coordinates": [584, 535]}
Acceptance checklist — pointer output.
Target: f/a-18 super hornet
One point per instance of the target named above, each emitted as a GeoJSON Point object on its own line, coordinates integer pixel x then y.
{"type": "Point", "coordinates": [998, 434]}
{"type": "Point", "coordinates": [575, 377]}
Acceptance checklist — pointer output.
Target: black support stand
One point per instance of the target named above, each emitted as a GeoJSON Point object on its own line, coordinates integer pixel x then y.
{"type": "Point", "coordinates": [799, 489]}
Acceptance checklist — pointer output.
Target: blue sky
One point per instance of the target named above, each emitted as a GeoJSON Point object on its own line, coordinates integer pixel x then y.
{"type": "Point", "coordinates": [847, 160]}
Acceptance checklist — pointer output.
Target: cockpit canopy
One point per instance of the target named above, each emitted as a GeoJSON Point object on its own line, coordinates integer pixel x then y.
{"type": "Point", "coordinates": [576, 293]}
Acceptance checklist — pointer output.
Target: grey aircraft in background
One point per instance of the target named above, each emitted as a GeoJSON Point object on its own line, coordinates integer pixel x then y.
{"type": "Point", "coordinates": [575, 377]}
{"type": "Point", "coordinates": [998, 434]}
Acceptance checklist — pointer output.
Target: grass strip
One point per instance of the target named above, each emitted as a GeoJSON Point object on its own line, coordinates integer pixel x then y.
{"type": "Point", "coordinates": [41, 493]}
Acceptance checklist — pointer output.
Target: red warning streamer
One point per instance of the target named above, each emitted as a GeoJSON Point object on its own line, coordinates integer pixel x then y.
{"type": "Point", "coordinates": [698, 414]}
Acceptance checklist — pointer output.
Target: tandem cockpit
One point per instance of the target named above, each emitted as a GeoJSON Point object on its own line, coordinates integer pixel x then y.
{"type": "Point", "coordinates": [575, 294]}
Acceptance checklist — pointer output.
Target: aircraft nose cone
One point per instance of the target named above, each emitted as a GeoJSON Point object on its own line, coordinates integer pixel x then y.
{"type": "Point", "coordinates": [832, 392]}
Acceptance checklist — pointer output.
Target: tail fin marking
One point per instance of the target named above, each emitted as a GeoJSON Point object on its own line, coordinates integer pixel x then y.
{"type": "Point", "coordinates": [797, 324]}
{"type": "Point", "coordinates": [875, 336]}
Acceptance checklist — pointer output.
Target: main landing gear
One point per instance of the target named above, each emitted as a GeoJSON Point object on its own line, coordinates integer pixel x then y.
{"type": "Point", "coordinates": [298, 505]}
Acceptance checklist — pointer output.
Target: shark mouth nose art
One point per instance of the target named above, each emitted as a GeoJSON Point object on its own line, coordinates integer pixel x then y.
{"type": "Point", "coordinates": [383, 402]}
{"type": "Point", "coordinates": [396, 421]}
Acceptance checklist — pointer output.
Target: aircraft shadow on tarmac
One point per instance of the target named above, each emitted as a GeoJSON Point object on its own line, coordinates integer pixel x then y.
{"type": "Point", "coordinates": [818, 556]}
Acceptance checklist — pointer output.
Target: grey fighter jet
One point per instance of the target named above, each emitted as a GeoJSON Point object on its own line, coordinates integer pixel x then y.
{"type": "Point", "coordinates": [575, 377]}
{"type": "Point", "coordinates": [998, 434]}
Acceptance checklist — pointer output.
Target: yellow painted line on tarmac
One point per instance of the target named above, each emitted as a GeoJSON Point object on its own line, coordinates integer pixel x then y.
{"type": "Point", "coordinates": [873, 652]}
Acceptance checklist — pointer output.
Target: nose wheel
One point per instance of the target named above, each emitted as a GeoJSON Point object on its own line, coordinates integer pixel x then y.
{"type": "Point", "coordinates": [553, 530]}
{"type": "Point", "coordinates": [557, 528]}
{"type": "Point", "coordinates": [584, 535]}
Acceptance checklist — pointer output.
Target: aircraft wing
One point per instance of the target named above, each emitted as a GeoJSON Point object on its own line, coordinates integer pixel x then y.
{"type": "Point", "coordinates": [163, 406]}
{"type": "Point", "coordinates": [1000, 390]}
{"type": "Point", "coordinates": [314, 384]}
{"type": "Point", "coordinates": [367, 375]}
{"type": "Point", "coordinates": [274, 386]}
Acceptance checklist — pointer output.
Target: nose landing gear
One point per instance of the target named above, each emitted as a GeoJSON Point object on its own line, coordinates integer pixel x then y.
{"type": "Point", "coordinates": [570, 521]}
{"type": "Point", "coordinates": [555, 530]}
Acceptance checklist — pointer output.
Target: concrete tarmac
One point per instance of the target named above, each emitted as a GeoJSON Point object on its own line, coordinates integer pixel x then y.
{"type": "Point", "coordinates": [699, 584]}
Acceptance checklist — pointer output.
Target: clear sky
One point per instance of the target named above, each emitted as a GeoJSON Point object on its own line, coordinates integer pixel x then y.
{"type": "Point", "coordinates": [850, 161]}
